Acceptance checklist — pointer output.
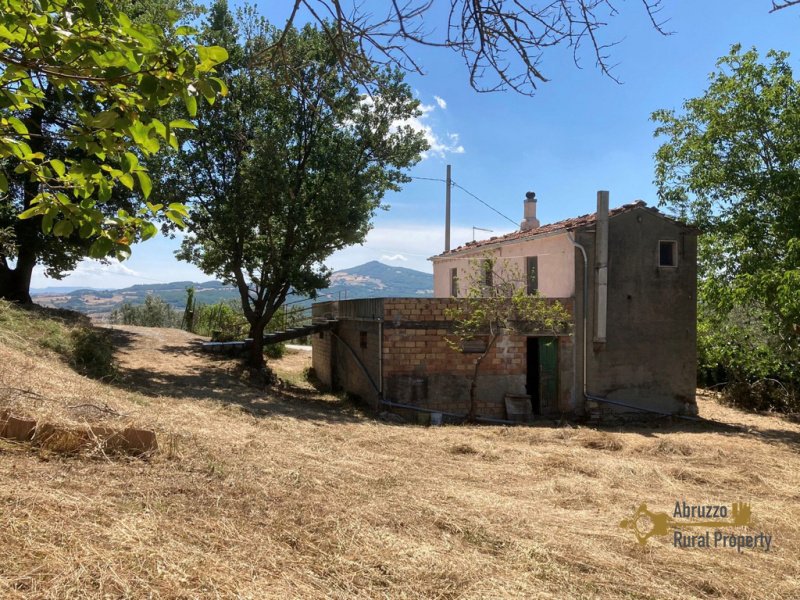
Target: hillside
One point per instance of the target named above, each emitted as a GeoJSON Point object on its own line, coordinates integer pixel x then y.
{"type": "Point", "coordinates": [369, 280]}
{"type": "Point", "coordinates": [293, 493]}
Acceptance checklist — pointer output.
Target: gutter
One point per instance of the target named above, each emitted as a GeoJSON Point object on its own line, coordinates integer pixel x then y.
{"type": "Point", "coordinates": [584, 306]}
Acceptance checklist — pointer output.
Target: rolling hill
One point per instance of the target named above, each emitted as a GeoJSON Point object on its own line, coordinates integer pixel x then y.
{"type": "Point", "coordinates": [370, 280]}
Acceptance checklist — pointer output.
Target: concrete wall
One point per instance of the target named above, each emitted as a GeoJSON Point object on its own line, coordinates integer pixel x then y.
{"type": "Point", "coordinates": [650, 355]}
{"type": "Point", "coordinates": [556, 265]}
{"type": "Point", "coordinates": [340, 360]}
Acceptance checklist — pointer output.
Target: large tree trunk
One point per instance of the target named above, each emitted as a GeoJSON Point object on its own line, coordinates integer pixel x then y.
{"type": "Point", "coordinates": [255, 359]}
{"type": "Point", "coordinates": [15, 284]}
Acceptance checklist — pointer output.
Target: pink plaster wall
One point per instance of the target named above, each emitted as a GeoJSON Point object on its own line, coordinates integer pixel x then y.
{"type": "Point", "coordinates": [556, 264]}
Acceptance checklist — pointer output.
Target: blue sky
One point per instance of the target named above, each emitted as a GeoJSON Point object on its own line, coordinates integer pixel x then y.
{"type": "Point", "coordinates": [580, 133]}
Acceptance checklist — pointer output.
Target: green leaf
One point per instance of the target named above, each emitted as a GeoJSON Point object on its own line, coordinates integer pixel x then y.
{"type": "Point", "coordinates": [222, 88]}
{"type": "Point", "coordinates": [47, 223]}
{"type": "Point", "coordinates": [18, 125]}
{"type": "Point", "coordinates": [127, 180]}
{"type": "Point", "coordinates": [176, 218]}
{"type": "Point", "coordinates": [31, 212]}
{"type": "Point", "coordinates": [86, 230]}
{"type": "Point", "coordinates": [145, 183]}
{"type": "Point", "coordinates": [63, 228]}
{"type": "Point", "coordinates": [191, 104]}
{"type": "Point", "coordinates": [148, 85]}
{"type": "Point", "coordinates": [58, 167]}
{"type": "Point", "coordinates": [211, 56]}
{"type": "Point", "coordinates": [122, 251]}
{"type": "Point", "coordinates": [104, 190]}
{"type": "Point", "coordinates": [182, 124]}
{"type": "Point", "coordinates": [106, 119]}
{"type": "Point", "coordinates": [148, 230]}
{"type": "Point", "coordinates": [3, 183]}
{"type": "Point", "coordinates": [101, 247]}
{"type": "Point", "coordinates": [179, 208]}
{"type": "Point", "coordinates": [129, 162]}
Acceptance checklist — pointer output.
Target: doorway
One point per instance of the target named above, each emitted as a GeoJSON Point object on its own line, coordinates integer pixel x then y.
{"type": "Point", "coordinates": [542, 373]}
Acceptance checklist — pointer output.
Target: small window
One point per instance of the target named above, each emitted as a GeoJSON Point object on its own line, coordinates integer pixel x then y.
{"type": "Point", "coordinates": [363, 339]}
{"type": "Point", "coordinates": [532, 273]}
{"type": "Point", "coordinates": [488, 275]}
{"type": "Point", "coordinates": [667, 253]}
{"type": "Point", "coordinates": [322, 335]}
{"type": "Point", "coordinates": [454, 283]}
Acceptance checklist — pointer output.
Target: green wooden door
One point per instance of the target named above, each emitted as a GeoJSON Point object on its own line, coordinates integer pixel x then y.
{"type": "Point", "coordinates": [548, 373]}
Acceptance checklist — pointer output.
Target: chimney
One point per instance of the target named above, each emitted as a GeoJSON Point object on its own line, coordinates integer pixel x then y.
{"type": "Point", "coordinates": [530, 221]}
{"type": "Point", "coordinates": [601, 266]}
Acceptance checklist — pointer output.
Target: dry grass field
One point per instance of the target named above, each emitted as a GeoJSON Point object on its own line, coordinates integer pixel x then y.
{"type": "Point", "coordinates": [296, 494]}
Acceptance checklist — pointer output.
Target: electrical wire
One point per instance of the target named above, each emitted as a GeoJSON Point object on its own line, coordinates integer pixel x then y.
{"type": "Point", "coordinates": [486, 204]}
{"type": "Point", "coordinates": [466, 191]}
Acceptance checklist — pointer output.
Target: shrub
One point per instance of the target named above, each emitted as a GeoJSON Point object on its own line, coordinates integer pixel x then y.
{"type": "Point", "coordinates": [92, 353]}
{"type": "Point", "coordinates": [752, 365]}
{"type": "Point", "coordinates": [223, 321]}
{"type": "Point", "coordinates": [275, 350]}
{"type": "Point", "coordinates": [155, 312]}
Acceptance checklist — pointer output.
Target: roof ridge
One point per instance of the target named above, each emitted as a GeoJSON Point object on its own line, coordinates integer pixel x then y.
{"type": "Point", "coordinates": [569, 224]}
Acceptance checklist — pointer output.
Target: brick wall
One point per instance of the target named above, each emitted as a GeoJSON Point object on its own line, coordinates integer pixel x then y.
{"type": "Point", "coordinates": [418, 365]}
{"type": "Point", "coordinates": [420, 368]}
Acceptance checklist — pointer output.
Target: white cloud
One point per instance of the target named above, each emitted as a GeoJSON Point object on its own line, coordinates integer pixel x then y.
{"type": "Point", "coordinates": [94, 274]}
{"type": "Point", "coordinates": [393, 257]}
{"type": "Point", "coordinates": [439, 145]}
{"type": "Point", "coordinates": [441, 102]}
{"type": "Point", "coordinates": [91, 273]}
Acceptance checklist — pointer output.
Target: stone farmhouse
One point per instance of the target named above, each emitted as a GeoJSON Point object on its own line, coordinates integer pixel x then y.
{"type": "Point", "coordinates": [627, 276]}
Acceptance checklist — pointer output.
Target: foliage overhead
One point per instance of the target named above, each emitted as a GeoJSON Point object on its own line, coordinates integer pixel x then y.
{"type": "Point", "coordinates": [730, 164]}
{"type": "Point", "coordinates": [112, 74]}
{"type": "Point", "coordinates": [290, 166]}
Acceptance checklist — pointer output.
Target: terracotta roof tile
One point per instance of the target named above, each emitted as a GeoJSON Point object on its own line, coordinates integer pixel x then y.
{"type": "Point", "coordinates": [565, 225]}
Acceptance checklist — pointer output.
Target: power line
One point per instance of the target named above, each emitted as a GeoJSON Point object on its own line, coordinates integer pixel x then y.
{"type": "Point", "coordinates": [428, 178]}
{"type": "Point", "coordinates": [486, 204]}
{"type": "Point", "coordinates": [463, 189]}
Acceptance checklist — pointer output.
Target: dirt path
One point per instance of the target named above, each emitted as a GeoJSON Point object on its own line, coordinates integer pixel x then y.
{"type": "Point", "coordinates": [170, 363]}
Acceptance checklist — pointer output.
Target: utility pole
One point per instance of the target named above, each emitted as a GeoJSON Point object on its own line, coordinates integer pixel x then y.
{"type": "Point", "coordinates": [447, 213]}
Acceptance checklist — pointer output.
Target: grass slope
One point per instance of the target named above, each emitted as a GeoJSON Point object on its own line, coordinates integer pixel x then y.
{"type": "Point", "coordinates": [296, 494]}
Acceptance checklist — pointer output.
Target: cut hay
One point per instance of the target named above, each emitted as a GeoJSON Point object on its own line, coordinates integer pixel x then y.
{"type": "Point", "coordinates": [292, 493]}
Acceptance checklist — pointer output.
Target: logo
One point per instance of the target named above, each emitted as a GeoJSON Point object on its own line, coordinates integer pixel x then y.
{"type": "Point", "coordinates": [645, 524]}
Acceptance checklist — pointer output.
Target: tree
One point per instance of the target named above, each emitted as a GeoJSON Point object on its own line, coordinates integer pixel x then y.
{"type": "Point", "coordinates": [731, 166]}
{"type": "Point", "coordinates": [79, 83]}
{"type": "Point", "coordinates": [496, 303]}
{"type": "Point", "coordinates": [502, 42]}
{"type": "Point", "coordinates": [290, 166]}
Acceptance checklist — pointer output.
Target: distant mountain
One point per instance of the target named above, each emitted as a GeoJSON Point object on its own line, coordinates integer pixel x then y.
{"type": "Point", "coordinates": [57, 289]}
{"type": "Point", "coordinates": [375, 279]}
{"type": "Point", "coordinates": [370, 280]}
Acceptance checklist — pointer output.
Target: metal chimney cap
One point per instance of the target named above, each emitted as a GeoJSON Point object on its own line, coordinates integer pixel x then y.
{"type": "Point", "coordinates": [530, 197]}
